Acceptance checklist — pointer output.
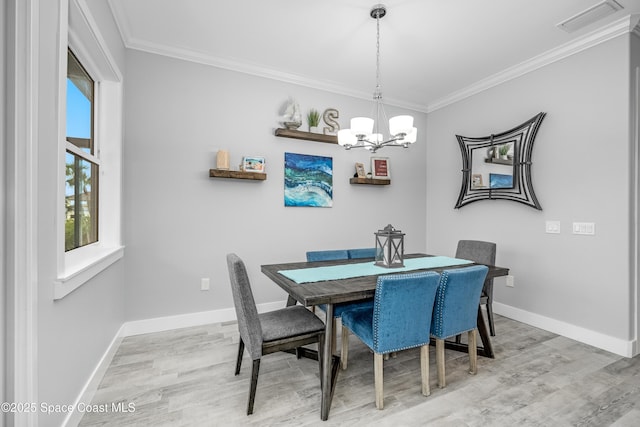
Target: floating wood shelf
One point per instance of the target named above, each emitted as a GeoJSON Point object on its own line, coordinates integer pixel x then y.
{"type": "Point", "coordinates": [219, 173]}
{"type": "Point", "coordinates": [369, 181]}
{"type": "Point", "coordinates": [499, 161]}
{"type": "Point", "coordinates": [307, 136]}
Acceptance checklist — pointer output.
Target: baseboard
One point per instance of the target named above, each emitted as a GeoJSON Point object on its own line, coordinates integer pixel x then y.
{"type": "Point", "coordinates": [605, 342]}
{"type": "Point", "coordinates": [147, 326]}
{"type": "Point", "coordinates": [167, 323]}
{"type": "Point", "coordinates": [88, 391]}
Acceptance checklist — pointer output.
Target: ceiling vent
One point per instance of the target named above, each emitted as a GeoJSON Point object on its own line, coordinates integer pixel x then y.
{"type": "Point", "coordinates": [589, 16]}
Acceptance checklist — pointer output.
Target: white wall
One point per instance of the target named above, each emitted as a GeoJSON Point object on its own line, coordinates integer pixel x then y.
{"type": "Point", "coordinates": [180, 224]}
{"type": "Point", "coordinates": [74, 332]}
{"type": "Point", "coordinates": [581, 172]}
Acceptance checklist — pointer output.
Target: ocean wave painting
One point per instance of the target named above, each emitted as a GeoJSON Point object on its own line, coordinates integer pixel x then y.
{"type": "Point", "coordinates": [308, 180]}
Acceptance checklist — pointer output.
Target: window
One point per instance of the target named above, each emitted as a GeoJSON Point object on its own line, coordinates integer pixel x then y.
{"type": "Point", "coordinates": [81, 164]}
{"type": "Point", "coordinates": [89, 157]}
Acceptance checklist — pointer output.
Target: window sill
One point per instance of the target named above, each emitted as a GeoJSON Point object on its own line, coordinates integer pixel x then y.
{"type": "Point", "coordinates": [78, 274]}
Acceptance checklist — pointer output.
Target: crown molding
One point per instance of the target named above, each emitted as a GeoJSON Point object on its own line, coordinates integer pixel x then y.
{"type": "Point", "coordinates": [260, 71]}
{"type": "Point", "coordinates": [621, 26]}
{"type": "Point", "coordinates": [626, 24]}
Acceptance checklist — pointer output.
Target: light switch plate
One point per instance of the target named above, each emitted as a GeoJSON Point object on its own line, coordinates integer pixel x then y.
{"type": "Point", "coordinates": [584, 228]}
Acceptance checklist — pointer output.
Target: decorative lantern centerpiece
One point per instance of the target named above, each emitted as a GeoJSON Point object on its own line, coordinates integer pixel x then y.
{"type": "Point", "coordinates": [389, 247]}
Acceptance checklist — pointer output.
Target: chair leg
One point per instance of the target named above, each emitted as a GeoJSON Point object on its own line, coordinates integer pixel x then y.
{"type": "Point", "coordinates": [424, 369]}
{"type": "Point", "coordinates": [240, 352]}
{"type": "Point", "coordinates": [320, 356]}
{"type": "Point", "coordinates": [440, 363]}
{"type": "Point", "coordinates": [334, 338]}
{"type": "Point", "coordinates": [473, 352]}
{"type": "Point", "coordinates": [344, 352]}
{"type": "Point", "coordinates": [378, 379]}
{"type": "Point", "coordinates": [254, 385]}
{"type": "Point", "coordinates": [492, 330]}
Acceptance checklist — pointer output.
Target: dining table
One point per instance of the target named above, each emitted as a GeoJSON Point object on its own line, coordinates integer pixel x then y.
{"type": "Point", "coordinates": [320, 282]}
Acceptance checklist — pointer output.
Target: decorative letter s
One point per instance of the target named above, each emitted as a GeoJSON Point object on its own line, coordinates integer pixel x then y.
{"type": "Point", "coordinates": [329, 116]}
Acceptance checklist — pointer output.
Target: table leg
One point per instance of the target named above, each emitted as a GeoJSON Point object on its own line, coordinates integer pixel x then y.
{"type": "Point", "coordinates": [291, 301]}
{"type": "Point", "coordinates": [484, 335]}
{"type": "Point", "coordinates": [326, 364]}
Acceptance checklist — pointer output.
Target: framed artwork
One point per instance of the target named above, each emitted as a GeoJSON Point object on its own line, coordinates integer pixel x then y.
{"type": "Point", "coordinates": [476, 180]}
{"type": "Point", "coordinates": [498, 180]}
{"type": "Point", "coordinates": [380, 168]}
{"type": "Point", "coordinates": [360, 170]}
{"type": "Point", "coordinates": [253, 164]}
{"type": "Point", "coordinates": [308, 180]}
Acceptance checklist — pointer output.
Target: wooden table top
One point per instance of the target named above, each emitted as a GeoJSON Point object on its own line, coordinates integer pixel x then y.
{"type": "Point", "coordinates": [343, 290]}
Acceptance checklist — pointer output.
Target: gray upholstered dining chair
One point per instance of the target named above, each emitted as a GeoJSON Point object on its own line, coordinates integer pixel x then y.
{"type": "Point", "coordinates": [338, 309]}
{"type": "Point", "coordinates": [265, 333]}
{"type": "Point", "coordinates": [399, 320]}
{"type": "Point", "coordinates": [456, 311]}
{"type": "Point", "coordinates": [482, 253]}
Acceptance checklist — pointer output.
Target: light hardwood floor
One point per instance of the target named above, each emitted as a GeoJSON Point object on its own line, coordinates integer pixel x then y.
{"type": "Point", "coordinates": [185, 378]}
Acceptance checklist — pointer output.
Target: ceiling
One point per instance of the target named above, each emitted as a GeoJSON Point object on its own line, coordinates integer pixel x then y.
{"type": "Point", "coordinates": [432, 52]}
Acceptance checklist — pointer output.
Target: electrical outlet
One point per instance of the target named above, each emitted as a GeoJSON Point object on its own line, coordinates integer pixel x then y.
{"type": "Point", "coordinates": [552, 227]}
{"type": "Point", "coordinates": [510, 282]}
{"type": "Point", "coordinates": [204, 284]}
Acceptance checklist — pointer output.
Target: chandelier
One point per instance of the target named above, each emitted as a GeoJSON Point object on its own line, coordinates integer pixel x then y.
{"type": "Point", "coordinates": [362, 134]}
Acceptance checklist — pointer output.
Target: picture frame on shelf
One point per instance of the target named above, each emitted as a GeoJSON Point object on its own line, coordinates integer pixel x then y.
{"type": "Point", "coordinates": [380, 168]}
{"type": "Point", "coordinates": [360, 173]}
{"type": "Point", "coordinates": [253, 164]}
{"type": "Point", "coordinates": [476, 180]}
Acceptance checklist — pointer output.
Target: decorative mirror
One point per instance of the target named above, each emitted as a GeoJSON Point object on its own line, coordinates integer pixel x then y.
{"type": "Point", "coordinates": [499, 166]}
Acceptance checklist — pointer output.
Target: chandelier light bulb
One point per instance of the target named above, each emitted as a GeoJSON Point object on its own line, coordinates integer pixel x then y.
{"type": "Point", "coordinates": [400, 125]}
{"type": "Point", "coordinates": [362, 126]}
{"type": "Point", "coordinates": [346, 138]}
{"type": "Point", "coordinates": [411, 137]}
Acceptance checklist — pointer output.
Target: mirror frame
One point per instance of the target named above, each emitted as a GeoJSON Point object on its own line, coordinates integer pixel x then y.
{"type": "Point", "coordinates": [522, 136]}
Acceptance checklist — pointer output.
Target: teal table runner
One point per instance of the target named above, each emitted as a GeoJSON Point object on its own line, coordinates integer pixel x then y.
{"type": "Point", "coordinates": [348, 271]}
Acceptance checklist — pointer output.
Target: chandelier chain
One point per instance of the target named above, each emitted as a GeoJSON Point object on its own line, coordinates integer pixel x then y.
{"type": "Point", "coordinates": [377, 94]}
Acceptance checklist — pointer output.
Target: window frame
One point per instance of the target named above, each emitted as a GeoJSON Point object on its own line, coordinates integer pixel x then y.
{"type": "Point", "coordinates": [91, 157]}
{"type": "Point", "coordinates": [76, 267]}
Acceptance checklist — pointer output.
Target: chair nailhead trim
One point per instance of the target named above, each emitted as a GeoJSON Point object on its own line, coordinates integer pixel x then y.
{"type": "Point", "coordinates": [438, 321]}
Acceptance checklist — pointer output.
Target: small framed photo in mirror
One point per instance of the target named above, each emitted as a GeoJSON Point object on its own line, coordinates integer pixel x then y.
{"type": "Point", "coordinates": [476, 180]}
{"type": "Point", "coordinates": [380, 168]}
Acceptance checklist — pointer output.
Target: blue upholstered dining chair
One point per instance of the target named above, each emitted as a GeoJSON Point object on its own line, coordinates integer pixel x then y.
{"type": "Point", "coordinates": [456, 311]}
{"type": "Point", "coordinates": [400, 320]}
{"type": "Point", "coordinates": [482, 253]}
{"type": "Point", "coordinates": [330, 255]}
{"type": "Point", "coordinates": [338, 309]}
{"type": "Point", "coordinates": [362, 253]}
{"type": "Point", "coordinates": [264, 333]}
